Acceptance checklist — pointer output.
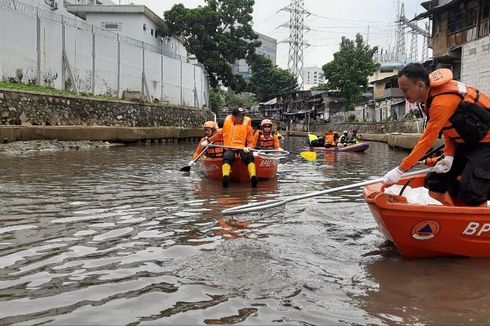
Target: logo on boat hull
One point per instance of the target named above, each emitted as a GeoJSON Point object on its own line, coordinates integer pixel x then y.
{"type": "Point", "coordinates": [425, 230]}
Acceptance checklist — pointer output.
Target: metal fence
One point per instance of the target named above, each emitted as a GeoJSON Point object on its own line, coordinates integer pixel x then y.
{"type": "Point", "coordinates": [44, 48]}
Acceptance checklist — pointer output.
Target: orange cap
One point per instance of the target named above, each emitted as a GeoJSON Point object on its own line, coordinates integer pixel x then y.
{"type": "Point", "coordinates": [209, 124]}
{"type": "Point", "coordinates": [265, 122]}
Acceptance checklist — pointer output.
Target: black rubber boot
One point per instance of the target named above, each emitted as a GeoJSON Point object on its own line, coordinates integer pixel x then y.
{"type": "Point", "coordinates": [225, 181]}
{"type": "Point", "coordinates": [253, 181]}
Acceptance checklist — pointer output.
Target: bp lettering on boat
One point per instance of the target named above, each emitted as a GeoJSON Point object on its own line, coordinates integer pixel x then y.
{"type": "Point", "coordinates": [425, 230]}
{"type": "Point", "coordinates": [477, 229]}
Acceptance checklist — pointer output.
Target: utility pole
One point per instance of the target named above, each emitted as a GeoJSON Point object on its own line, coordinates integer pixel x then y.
{"type": "Point", "coordinates": [296, 41]}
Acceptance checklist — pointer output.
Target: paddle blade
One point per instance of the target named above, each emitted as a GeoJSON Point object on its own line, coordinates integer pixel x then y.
{"type": "Point", "coordinates": [186, 169]}
{"type": "Point", "coordinates": [308, 155]}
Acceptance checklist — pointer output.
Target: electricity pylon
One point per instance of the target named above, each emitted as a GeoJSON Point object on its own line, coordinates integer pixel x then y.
{"type": "Point", "coordinates": [296, 40]}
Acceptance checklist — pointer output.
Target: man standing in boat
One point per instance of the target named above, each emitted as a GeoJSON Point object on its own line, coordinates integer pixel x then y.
{"type": "Point", "coordinates": [461, 113]}
{"type": "Point", "coordinates": [237, 132]}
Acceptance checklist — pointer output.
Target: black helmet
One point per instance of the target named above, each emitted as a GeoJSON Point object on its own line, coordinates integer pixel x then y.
{"type": "Point", "coordinates": [238, 111]}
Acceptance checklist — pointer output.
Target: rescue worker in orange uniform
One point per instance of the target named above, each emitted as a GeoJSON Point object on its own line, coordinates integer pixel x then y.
{"type": "Point", "coordinates": [237, 132]}
{"type": "Point", "coordinates": [209, 130]}
{"type": "Point", "coordinates": [265, 137]}
{"type": "Point", "coordinates": [458, 111]}
{"type": "Point", "coordinates": [330, 140]}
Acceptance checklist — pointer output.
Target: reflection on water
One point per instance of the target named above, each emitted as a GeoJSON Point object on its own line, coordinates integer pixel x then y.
{"type": "Point", "coordinates": [120, 236]}
{"type": "Point", "coordinates": [429, 291]}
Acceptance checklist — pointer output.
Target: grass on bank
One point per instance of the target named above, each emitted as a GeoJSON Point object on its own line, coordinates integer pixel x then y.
{"type": "Point", "coordinates": [50, 90]}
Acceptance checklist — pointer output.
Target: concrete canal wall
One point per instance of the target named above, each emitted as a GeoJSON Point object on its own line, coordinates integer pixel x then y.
{"type": "Point", "coordinates": [416, 126]}
{"type": "Point", "coordinates": [29, 115]}
{"type": "Point", "coordinates": [37, 116]}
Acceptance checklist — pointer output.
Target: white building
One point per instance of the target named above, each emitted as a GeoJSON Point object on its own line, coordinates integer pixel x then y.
{"type": "Point", "coordinates": [134, 21]}
{"type": "Point", "coordinates": [97, 47]}
{"type": "Point", "coordinates": [312, 76]}
{"type": "Point", "coordinates": [268, 48]}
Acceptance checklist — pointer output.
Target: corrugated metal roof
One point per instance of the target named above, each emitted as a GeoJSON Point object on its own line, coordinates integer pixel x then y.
{"type": "Point", "coordinates": [436, 9]}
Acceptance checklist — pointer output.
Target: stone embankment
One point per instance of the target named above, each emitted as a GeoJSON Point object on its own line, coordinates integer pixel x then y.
{"type": "Point", "coordinates": [36, 116]}
{"type": "Point", "coordinates": [28, 116]}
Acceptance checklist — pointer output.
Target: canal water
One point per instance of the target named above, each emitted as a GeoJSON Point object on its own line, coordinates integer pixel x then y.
{"type": "Point", "coordinates": [120, 236]}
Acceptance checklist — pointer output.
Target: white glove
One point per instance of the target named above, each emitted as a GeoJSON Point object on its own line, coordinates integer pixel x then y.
{"type": "Point", "coordinates": [393, 176]}
{"type": "Point", "coordinates": [191, 163]}
{"type": "Point", "coordinates": [444, 165]}
{"type": "Point", "coordinates": [255, 154]}
{"type": "Point", "coordinates": [246, 150]}
{"type": "Point", "coordinates": [205, 143]}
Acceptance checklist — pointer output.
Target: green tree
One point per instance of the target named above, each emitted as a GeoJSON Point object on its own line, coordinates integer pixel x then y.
{"type": "Point", "coordinates": [220, 98]}
{"type": "Point", "coordinates": [350, 69]}
{"type": "Point", "coordinates": [267, 79]}
{"type": "Point", "coordinates": [218, 34]}
{"type": "Point", "coordinates": [215, 99]}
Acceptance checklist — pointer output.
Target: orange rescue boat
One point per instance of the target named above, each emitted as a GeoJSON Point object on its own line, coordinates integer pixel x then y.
{"type": "Point", "coordinates": [420, 230]}
{"type": "Point", "coordinates": [266, 168]}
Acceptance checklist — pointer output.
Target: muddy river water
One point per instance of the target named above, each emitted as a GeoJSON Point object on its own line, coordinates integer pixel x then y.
{"type": "Point", "coordinates": [120, 236]}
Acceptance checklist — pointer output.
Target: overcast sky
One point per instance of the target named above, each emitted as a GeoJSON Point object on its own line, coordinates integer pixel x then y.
{"type": "Point", "coordinates": [329, 21]}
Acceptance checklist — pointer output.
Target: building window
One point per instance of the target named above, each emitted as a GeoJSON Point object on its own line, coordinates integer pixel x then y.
{"type": "Point", "coordinates": [144, 27]}
{"type": "Point", "coordinates": [459, 20]}
{"type": "Point", "coordinates": [152, 32]}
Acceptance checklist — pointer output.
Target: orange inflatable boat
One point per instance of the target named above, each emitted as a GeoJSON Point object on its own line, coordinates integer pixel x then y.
{"type": "Point", "coordinates": [420, 230]}
{"type": "Point", "coordinates": [265, 169]}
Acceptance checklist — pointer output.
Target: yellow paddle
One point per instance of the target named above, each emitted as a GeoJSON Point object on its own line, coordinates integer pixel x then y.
{"type": "Point", "coordinates": [308, 155]}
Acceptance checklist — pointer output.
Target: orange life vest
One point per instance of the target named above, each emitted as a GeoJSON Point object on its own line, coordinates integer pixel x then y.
{"type": "Point", "coordinates": [330, 139]}
{"type": "Point", "coordinates": [269, 142]}
{"type": "Point", "coordinates": [441, 83]}
{"type": "Point", "coordinates": [214, 151]}
{"type": "Point", "coordinates": [237, 135]}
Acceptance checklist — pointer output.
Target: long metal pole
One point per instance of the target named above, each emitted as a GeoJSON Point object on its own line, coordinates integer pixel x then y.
{"type": "Point", "coordinates": [38, 48]}
{"type": "Point", "coordinates": [63, 62]}
{"type": "Point", "coordinates": [118, 66]}
{"type": "Point", "coordinates": [161, 73]}
{"type": "Point", "coordinates": [181, 83]}
{"type": "Point", "coordinates": [93, 61]}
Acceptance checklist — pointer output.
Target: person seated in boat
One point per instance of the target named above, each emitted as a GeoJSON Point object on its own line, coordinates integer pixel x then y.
{"type": "Point", "coordinates": [237, 133]}
{"type": "Point", "coordinates": [314, 141]}
{"type": "Point", "coordinates": [344, 138]}
{"type": "Point", "coordinates": [265, 137]}
{"type": "Point", "coordinates": [330, 139]}
{"type": "Point", "coordinates": [209, 130]}
{"type": "Point", "coordinates": [458, 112]}
{"type": "Point", "coordinates": [354, 138]}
